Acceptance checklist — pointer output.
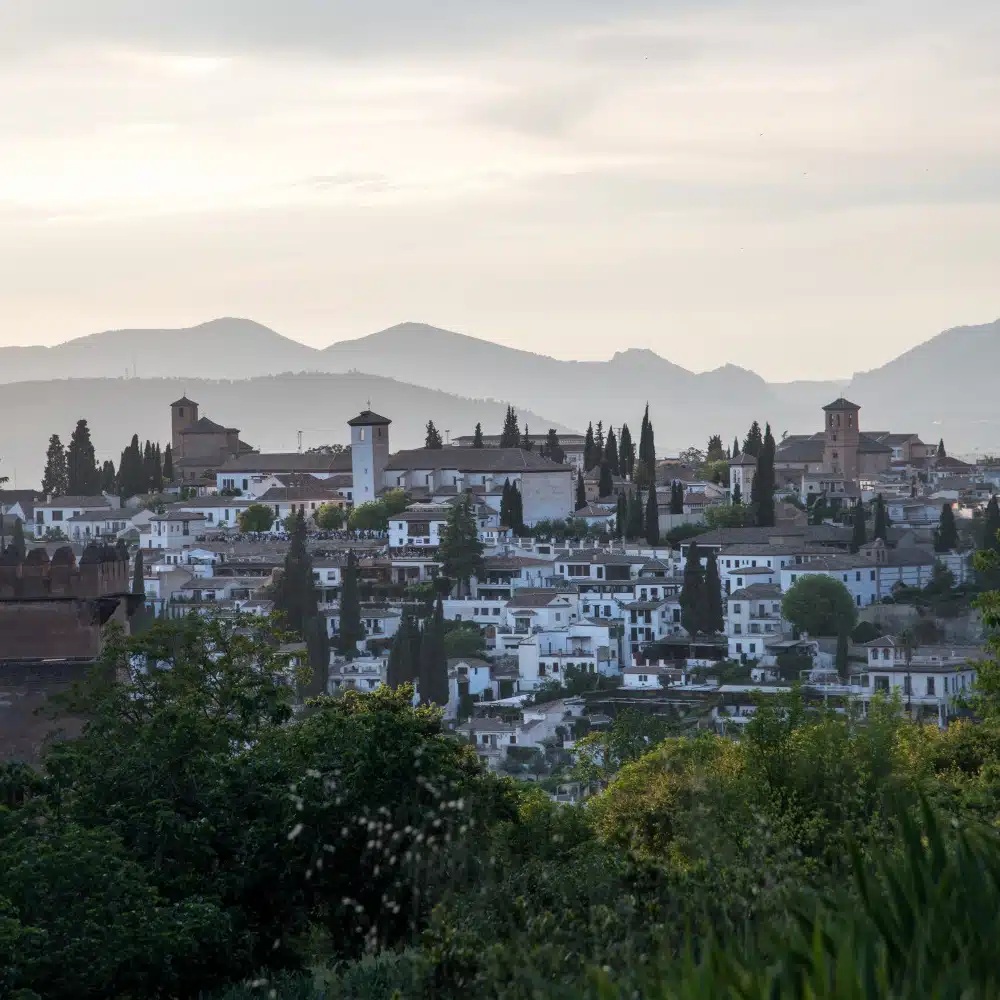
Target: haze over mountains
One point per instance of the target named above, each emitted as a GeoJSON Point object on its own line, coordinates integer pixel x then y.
{"type": "Point", "coordinates": [942, 388]}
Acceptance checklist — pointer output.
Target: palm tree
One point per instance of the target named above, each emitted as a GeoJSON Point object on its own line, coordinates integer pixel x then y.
{"type": "Point", "coordinates": [909, 643]}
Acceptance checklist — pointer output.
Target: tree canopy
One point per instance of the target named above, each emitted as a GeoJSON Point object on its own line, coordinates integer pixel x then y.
{"type": "Point", "coordinates": [461, 550]}
{"type": "Point", "coordinates": [819, 605]}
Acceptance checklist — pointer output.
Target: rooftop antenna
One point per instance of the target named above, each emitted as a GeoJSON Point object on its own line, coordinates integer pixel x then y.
{"type": "Point", "coordinates": [300, 442]}
{"type": "Point", "coordinates": [447, 437]}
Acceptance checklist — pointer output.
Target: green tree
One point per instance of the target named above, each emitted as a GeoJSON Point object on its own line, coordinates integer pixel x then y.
{"type": "Point", "coordinates": [433, 662]}
{"type": "Point", "coordinates": [991, 526]}
{"type": "Point", "coordinates": [735, 453]}
{"type": "Point", "coordinates": [581, 492]}
{"type": "Point", "coordinates": [676, 498]}
{"type": "Point", "coordinates": [433, 438]}
{"type": "Point", "coordinates": [635, 528]}
{"type": "Point", "coordinates": [401, 668]}
{"type": "Point", "coordinates": [132, 478]}
{"type": "Point", "coordinates": [946, 535]}
{"type": "Point", "coordinates": [465, 642]}
{"type": "Point", "coordinates": [329, 517]}
{"type": "Point", "coordinates": [295, 598]}
{"type": "Point", "coordinates": [715, 452]}
{"type": "Point", "coordinates": [626, 453]}
{"type": "Point", "coordinates": [819, 605]}
{"type": "Point", "coordinates": [55, 480]}
{"type": "Point", "coordinates": [168, 464]}
{"type": "Point", "coordinates": [647, 446]}
{"type": "Point", "coordinates": [941, 453]}
{"type": "Point", "coordinates": [552, 449]}
{"type": "Point", "coordinates": [517, 511]}
{"type": "Point", "coordinates": [510, 436]}
{"type": "Point", "coordinates": [859, 537]}
{"type": "Point", "coordinates": [714, 621]}
{"type": "Point", "coordinates": [621, 516]}
{"type": "Point", "coordinates": [819, 511]}
{"type": "Point", "coordinates": [764, 483]}
{"type": "Point", "coordinates": [737, 496]}
{"type": "Point", "coordinates": [526, 443]}
{"type": "Point", "coordinates": [753, 443]}
{"type": "Point", "coordinates": [351, 631]}
{"type": "Point", "coordinates": [369, 516]}
{"type": "Point", "coordinates": [257, 518]}
{"type": "Point", "coordinates": [477, 437]}
{"type": "Point", "coordinates": [590, 456]}
{"type": "Point", "coordinates": [605, 485]}
{"type": "Point", "coordinates": [611, 453]}
{"type": "Point", "coordinates": [652, 517]}
{"type": "Point", "coordinates": [881, 529]}
{"type": "Point", "coordinates": [694, 596]}
{"type": "Point", "coordinates": [82, 475]}
{"type": "Point", "coordinates": [461, 550]}
{"type": "Point", "coordinates": [109, 481]}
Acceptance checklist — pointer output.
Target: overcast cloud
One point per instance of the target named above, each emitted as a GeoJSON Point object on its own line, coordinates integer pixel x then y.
{"type": "Point", "coordinates": [805, 189]}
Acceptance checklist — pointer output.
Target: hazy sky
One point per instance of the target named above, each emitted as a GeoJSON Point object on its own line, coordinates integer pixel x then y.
{"type": "Point", "coordinates": [805, 188]}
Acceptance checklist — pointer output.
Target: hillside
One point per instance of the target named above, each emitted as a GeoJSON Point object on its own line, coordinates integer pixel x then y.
{"type": "Point", "coordinates": [269, 412]}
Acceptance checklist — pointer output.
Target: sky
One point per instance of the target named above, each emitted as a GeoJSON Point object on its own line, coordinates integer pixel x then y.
{"type": "Point", "coordinates": [804, 189]}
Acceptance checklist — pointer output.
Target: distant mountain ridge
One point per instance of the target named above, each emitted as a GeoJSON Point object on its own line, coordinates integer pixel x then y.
{"type": "Point", "coordinates": [944, 387]}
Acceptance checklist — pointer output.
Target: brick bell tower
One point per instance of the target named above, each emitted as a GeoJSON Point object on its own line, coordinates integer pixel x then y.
{"type": "Point", "coordinates": [842, 435]}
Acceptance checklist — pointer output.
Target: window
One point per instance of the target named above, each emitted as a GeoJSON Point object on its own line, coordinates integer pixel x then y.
{"type": "Point", "coordinates": [946, 685]}
{"type": "Point", "coordinates": [794, 577]}
{"type": "Point", "coordinates": [643, 678]}
{"type": "Point", "coordinates": [753, 647]}
{"type": "Point", "coordinates": [496, 611]}
{"type": "Point", "coordinates": [737, 609]}
{"type": "Point", "coordinates": [361, 433]}
{"type": "Point", "coordinates": [907, 685]}
{"type": "Point", "coordinates": [57, 515]}
{"type": "Point", "coordinates": [737, 629]}
{"type": "Point", "coordinates": [882, 683]}
{"type": "Point", "coordinates": [180, 411]}
{"type": "Point", "coordinates": [930, 686]}
{"type": "Point", "coordinates": [739, 647]}
{"type": "Point", "coordinates": [857, 576]}
{"type": "Point", "coordinates": [873, 574]}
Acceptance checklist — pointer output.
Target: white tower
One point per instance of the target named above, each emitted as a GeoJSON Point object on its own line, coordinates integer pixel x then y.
{"type": "Point", "coordinates": [369, 454]}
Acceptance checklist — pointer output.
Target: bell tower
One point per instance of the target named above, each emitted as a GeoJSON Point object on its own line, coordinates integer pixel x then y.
{"type": "Point", "coordinates": [369, 454]}
{"type": "Point", "coordinates": [183, 415]}
{"type": "Point", "coordinates": [842, 439]}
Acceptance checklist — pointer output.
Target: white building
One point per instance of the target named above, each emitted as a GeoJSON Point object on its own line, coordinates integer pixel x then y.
{"type": "Point", "coordinates": [53, 514]}
{"type": "Point", "coordinates": [174, 529]}
{"type": "Point", "coordinates": [369, 454]}
{"type": "Point", "coordinates": [753, 616]}
{"type": "Point", "coordinates": [546, 655]}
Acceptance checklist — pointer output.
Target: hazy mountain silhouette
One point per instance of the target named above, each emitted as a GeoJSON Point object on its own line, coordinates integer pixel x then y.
{"type": "Point", "coordinates": [269, 412]}
{"type": "Point", "coordinates": [942, 388]}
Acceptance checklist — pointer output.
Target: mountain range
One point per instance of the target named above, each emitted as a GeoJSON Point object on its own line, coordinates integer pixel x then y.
{"type": "Point", "coordinates": [247, 375]}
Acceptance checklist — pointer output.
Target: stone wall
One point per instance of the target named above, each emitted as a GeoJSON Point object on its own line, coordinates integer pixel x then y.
{"type": "Point", "coordinates": [26, 692]}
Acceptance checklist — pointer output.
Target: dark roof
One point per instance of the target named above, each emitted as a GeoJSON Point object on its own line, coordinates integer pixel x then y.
{"type": "Point", "coordinates": [744, 459]}
{"type": "Point", "coordinates": [473, 460]}
{"type": "Point", "coordinates": [292, 461]}
{"type": "Point", "coordinates": [282, 494]}
{"type": "Point", "coordinates": [366, 418]}
{"type": "Point", "coordinates": [66, 502]}
{"type": "Point", "coordinates": [800, 449]}
{"type": "Point", "coordinates": [204, 426]}
{"type": "Point", "coordinates": [183, 401]}
{"type": "Point", "coordinates": [869, 446]}
{"type": "Point", "coordinates": [841, 404]}
{"type": "Point", "coordinates": [758, 592]}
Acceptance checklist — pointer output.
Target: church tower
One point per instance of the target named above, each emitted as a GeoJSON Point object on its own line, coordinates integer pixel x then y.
{"type": "Point", "coordinates": [842, 439]}
{"type": "Point", "coordinates": [369, 454]}
{"type": "Point", "coordinates": [183, 415]}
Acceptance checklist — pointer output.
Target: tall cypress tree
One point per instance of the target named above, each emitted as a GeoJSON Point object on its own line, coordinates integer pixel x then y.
{"type": "Point", "coordinates": [82, 475]}
{"type": "Point", "coordinates": [764, 482]}
{"type": "Point", "coordinates": [676, 498]}
{"type": "Point", "coordinates": [860, 534]}
{"type": "Point", "coordinates": [461, 551]}
{"type": "Point", "coordinates": [881, 529]}
{"type": "Point", "coordinates": [599, 440]}
{"type": "Point", "coordinates": [140, 618]}
{"type": "Point", "coordinates": [401, 668]}
{"type": "Point", "coordinates": [477, 437]}
{"type": "Point", "coordinates": [621, 516]}
{"type": "Point", "coordinates": [737, 498]}
{"type": "Point", "coordinates": [647, 446]}
{"type": "Point", "coordinates": [131, 480]}
{"type": "Point", "coordinates": [991, 537]}
{"type": "Point", "coordinates": [736, 448]}
{"type": "Point", "coordinates": [626, 453]}
{"type": "Point", "coordinates": [351, 630]}
{"type": "Point", "coordinates": [714, 621]}
{"type": "Point", "coordinates": [505, 505]}
{"type": "Point", "coordinates": [941, 453]}
{"type": "Point", "coordinates": [55, 481]}
{"type": "Point", "coordinates": [611, 453]}
{"type": "Point", "coordinates": [433, 661]}
{"type": "Point", "coordinates": [109, 481]}
{"type": "Point", "coordinates": [652, 517]}
{"type": "Point", "coordinates": [635, 529]}
{"type": "Point", "coordinates": [432, 437]}
{"type": "Point", "coordinates": [168, 464]}
{"type": "Point", "coordinates": [589, 458]}
{"type": "Point", "coordinates": [946, 535]}
{"type": "Point", "coordinates": [552, 449]}
{"type": "Point", "coordinates": [693, 595]}
{"type": "Point", "coordinates": [526, 443]}
{"type": "Point", "coordinates": [581, 492]}
{"type": "Point", "coordinates": [517, 508]}
{"type": "Point", "coordinates": [17, 542]}
{"type": "Point", "coordinates": [605, 486]}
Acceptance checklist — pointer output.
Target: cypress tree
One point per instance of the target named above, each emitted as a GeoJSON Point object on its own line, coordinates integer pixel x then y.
{"type": "Point", "coordinates": [693, 604]}
{"type": "Point", "coordinates": [735, 453]}
{"type": "Point", "coordinates": [713, 595]}
{"type": "Point", "coordinates": [991, 539]}
{"type": "Point", "coordinates": [318, 651]}
{"type": "Point", "coordinates": [621, 516]}
{"type": "Point", "coordinates": [941, 453]}
{"type": "Point", "coordinates": [605, 486]}
{"type": "Point", "coordinates": [526, 442]}
{"type": "Point", "coordinates": [168, 464]}
{"type": "Point", "coordinates": [433, 662]}
{"type": "Point", "coordinates": [461, 551]}
{"type": "Point", "coordinates": [946, 536]}
{"type": "Point", "coordinates": [510, 436]}
{"type": "Point", "coordinates": [581, 492]}
{"type": "Point", "coordinates": [109, 481]}
{"type": "Point", "coordinates": [737, 496]}
{"type": "Point", "coordinates": [753, 444]}
{"type": "Point", "coordinates": [611, 453]}
{"type": "Point", "coordinates": [517, 505]}
{"type": "Point", "coordinates": [351, 629]}
{"type": "Point", "coordinates": [589, 459]}
{"type": "Point", "coordinates": [881, 519]}
{"type": "Point", "coordinates": [599, 441]}
{"type": "Point", "coordinates": [552, 449]}
{"type": "Point", "coordinates": [401, 668]}
{"type": "Point", "coordinates": [477, 437]}
{"type": "Point", "coordinates": [82, 475]}
{"type": "Point", "coordinates": [626, 453]}
{"type": "Point", "coordinates": [647, 446]}
{"type": "Point", "coordinates": [505, 511]}
{"type": "Point", "coordinates": [635, 526]}
{"type": "Point", "coordinates": [55, 481]}
{"type": "Point", "coordinates": [860, 536]}
{"type": "Point", "coordinates": [131, 481]}
{"type": "Point", "coordinates": [139, 621]}
{"type": "Point", "coordinates": [652, 517]}
{"type": "Point", "coordinates": [764, 482]}
{"type": "Point", "coordinates": [676, 498]}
